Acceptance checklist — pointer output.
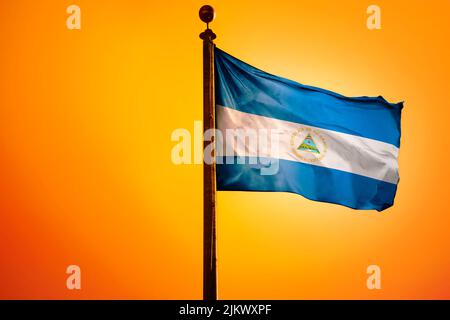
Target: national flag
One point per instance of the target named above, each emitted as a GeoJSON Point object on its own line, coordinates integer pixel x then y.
{"type": "Point", "coordinates": [331, 148]}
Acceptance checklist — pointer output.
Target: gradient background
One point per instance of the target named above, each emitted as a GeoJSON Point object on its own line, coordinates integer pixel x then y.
{"type": "Point", "coordinates": [86, 176]}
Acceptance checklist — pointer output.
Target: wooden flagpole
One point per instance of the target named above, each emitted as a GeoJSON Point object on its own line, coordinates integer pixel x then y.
{"type": "Point", "coordinates": [207, 14]}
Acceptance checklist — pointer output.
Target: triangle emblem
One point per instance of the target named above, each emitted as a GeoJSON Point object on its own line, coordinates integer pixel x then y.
{"type": "Point", "coordinates": [308, 144]}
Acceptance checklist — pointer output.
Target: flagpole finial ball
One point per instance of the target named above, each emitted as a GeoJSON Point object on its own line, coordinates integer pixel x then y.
{"type": "Point", "coordinates": [207, 14]}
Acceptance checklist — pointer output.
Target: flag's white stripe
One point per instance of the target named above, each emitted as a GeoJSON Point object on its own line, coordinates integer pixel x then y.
{"type": "Point", "coordinates": [345, 152]}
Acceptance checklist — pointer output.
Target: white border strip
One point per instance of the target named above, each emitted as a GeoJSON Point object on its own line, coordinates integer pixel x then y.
{"type": "Point", "coordinates": [345, 152]}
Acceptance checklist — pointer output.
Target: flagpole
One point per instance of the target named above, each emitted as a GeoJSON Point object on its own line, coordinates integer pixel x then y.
{"type": "Point", "coordinates": [207, 14]}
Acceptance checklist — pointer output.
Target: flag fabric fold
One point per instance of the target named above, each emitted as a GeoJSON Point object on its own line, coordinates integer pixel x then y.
{"type": "Point", "coordinates": [330, 148]}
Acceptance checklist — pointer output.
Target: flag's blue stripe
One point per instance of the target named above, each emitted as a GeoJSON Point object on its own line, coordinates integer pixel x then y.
{"type": "Point", "coordinates": [312, 182]}
{"type": "Point", "coordinates": [245, 88]}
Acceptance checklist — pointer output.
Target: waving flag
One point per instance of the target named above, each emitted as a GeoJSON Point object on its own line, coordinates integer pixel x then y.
{"type": "Point", "coordinates": [331, 148]}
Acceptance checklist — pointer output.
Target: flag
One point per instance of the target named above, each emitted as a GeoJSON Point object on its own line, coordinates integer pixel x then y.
{"type": "Point", "coordinates": [330, 148]}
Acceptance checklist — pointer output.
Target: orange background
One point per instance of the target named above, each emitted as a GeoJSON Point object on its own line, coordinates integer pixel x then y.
{"type": "Point", "coordinates": [86, 176]}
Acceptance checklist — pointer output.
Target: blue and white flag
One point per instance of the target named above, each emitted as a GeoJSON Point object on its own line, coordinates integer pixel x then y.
{"type": "Point", "coordinates": [330, 148]}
